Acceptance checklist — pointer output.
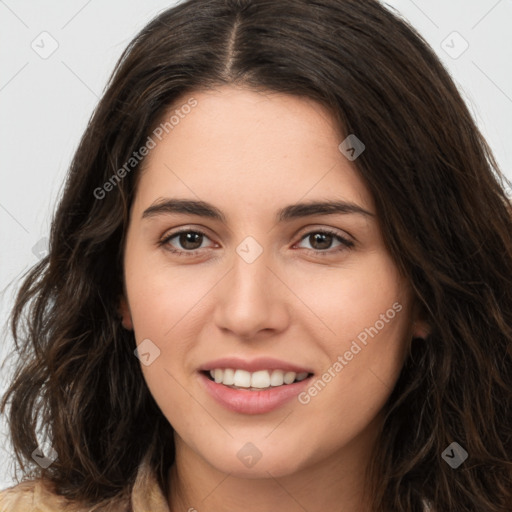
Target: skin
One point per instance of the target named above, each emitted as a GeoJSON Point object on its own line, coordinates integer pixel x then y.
{"type": "Point", "coordinates": [249, 154]}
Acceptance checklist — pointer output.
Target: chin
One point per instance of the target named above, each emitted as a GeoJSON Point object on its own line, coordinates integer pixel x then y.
{"type": "Point", "coordinates": [244, 460]}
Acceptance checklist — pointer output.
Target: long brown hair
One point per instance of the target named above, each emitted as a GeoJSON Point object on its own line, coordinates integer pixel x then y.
{"type": "Point", "coordinates": [444, 215]}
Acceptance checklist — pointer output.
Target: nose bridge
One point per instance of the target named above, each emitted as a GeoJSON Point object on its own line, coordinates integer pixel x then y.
{"type": "Point", "coordinates": [250, 274]}
{"type": "Point", "coordinates": [250, 298]}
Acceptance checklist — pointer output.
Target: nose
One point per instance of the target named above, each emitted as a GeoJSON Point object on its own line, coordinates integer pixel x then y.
{"type": "Point", "coordinates": [251, 299]}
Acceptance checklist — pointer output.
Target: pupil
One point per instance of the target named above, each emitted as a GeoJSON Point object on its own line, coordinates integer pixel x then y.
{"type": "Point", "coordinates": [322, 237]}
{"type": "Point", "coordinates": [188, 238]}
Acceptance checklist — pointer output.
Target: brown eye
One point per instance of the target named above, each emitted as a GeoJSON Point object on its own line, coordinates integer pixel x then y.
{"type": "Point", "coordinates": [190, 240]}
{"type": "Point", "coordinates": [186, 242]}
{"type": "Point", "coordinates": [321, 242]}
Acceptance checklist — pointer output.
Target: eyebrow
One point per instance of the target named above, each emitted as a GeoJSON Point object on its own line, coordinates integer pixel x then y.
{"type": "Point", "coordinates": [293, 211]}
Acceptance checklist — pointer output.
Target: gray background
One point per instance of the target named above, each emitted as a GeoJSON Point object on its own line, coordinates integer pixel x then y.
{"type": "Point", "coordinates": [46, 101]}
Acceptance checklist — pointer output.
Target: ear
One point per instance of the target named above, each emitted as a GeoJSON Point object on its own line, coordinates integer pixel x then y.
{"type": "Point", "coordinates": [420, 327]}
{"type": "Point", "coordinates": [124, 312]}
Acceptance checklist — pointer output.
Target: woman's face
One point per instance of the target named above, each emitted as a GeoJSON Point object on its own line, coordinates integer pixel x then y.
{"type": "Point", "coordinates": [260, 290]}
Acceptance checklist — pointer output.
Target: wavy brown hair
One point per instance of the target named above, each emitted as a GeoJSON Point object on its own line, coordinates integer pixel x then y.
{"type": "Point", "coordinates": [443, 211]}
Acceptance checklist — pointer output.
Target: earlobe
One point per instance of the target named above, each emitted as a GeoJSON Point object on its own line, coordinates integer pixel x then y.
{"type": "Point", "coordinates": [420, 329]}
{"type": "Point", "coordinates": [124, 312]}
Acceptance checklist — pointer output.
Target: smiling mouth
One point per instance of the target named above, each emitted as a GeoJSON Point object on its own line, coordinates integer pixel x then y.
{"type": "Point", "coordinates": [254, 381]}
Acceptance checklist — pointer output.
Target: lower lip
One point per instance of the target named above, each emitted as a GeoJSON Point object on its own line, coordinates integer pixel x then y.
{"type": "Point", "coordinates": [252, 402]}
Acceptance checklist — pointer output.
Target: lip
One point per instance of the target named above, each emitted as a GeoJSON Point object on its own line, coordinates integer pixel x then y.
{"type": "Point", "coordinates": [254, 365]}
{"type": "Point", "coordinates": [252, 402]}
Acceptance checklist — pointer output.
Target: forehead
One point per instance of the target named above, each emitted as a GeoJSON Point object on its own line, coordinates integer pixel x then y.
{"type": "Point", "coordinates": [260, 147]}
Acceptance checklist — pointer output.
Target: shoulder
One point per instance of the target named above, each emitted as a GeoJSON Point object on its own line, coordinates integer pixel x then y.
{"type": "Point", "coordinates": [31, 496]}
{"type": "Point", "coordinates": [20, 497]}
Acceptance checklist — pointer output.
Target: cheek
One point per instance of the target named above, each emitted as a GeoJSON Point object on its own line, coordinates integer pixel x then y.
{"type": "Point", "coordinates": [160, 305]}
{"type": "Point", "coordinates": [348, 301]}
{"type": "Point", "coordinates": [368, 313]}
{"type": "Point", "coordinates": [163, 300]}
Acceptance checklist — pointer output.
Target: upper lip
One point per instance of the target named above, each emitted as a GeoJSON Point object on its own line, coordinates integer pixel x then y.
{"type": "Point", "coordinates": [254, 365]}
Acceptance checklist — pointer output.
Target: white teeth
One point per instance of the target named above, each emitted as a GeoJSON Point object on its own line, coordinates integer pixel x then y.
{"type": "Point", "coordinates": [262, 379]}
{"type": "Point", "coordinates": [277, 378]}
{"type": "Point", "coordinates": [218, 375]}
{"type": "Point", "coordinates": [289, 377]}
{"type": "Point", "coordinates": [242, 379]}
{"type": "Point", "coordinates": [229, 377]}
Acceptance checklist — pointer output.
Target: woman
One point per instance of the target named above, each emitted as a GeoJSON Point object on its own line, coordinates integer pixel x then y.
{"type": "Point", "coordinates": [280, 276]}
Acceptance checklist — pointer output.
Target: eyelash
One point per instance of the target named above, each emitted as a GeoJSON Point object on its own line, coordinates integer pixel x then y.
{"type": "Point", "coordinates": [345, 244]}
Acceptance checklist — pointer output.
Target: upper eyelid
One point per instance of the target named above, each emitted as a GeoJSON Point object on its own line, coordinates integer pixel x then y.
{"type": "Point", "coordinates": [171, 234]}
{"type": "Point", "coordinates": [333, 231]}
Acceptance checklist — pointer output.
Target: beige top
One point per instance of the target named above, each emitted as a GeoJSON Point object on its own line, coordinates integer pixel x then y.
{"type": "Point", "coordinates": [34, 496]}
{"type": "Point", "coordinates": [37, 496]}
